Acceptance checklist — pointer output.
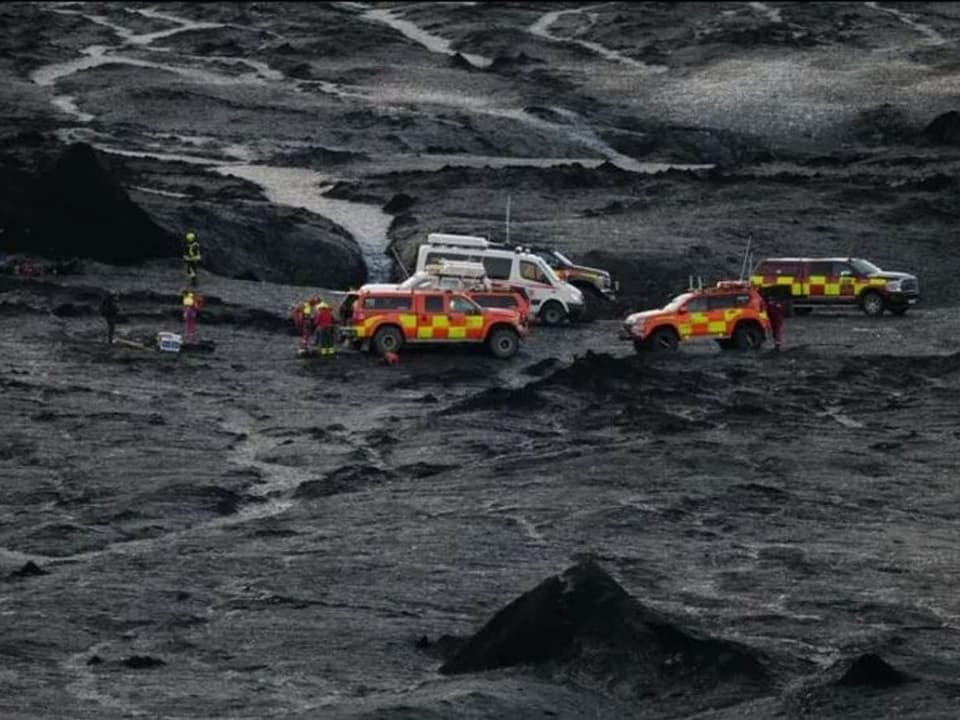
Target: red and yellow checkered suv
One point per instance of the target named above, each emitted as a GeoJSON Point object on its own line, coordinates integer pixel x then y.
{"type": "Point", "coordinates": [806, 283]}
{"type": "Point", "coordinates": [386, 320]}
{"type": "Point", "coordinates": [732, 313]}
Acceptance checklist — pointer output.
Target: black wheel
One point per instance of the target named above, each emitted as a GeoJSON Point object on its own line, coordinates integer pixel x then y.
{"type": "Point", "coordinates": [387, 339]}
{"type": "Point", "coordinates": [503, 342]}
{"type": "Point", "coordinates": [552, 313]}
{"type": "Point", "coordinates": [747, 336]}
{"type": "Point", "coordinates": [872, 303]}
{"type": "Point", "coordinates": [802, 310]}
{"type": "Point", "coordinates": [663, 340]}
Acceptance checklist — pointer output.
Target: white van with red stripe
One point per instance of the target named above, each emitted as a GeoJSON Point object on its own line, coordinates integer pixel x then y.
{"type": "Point", "coordinates": [551, 299]}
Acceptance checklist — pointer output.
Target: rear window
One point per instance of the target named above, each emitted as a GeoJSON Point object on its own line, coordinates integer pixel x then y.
{"type": "Point", "coordinates": [823, 268]}
{"type": "Point", "coordinates": [387, 302]}
{"type": "Point", "coordinates": [721, 302]}
{"type": "Point", "coordinates": [496, 301]}
{"type": "Point", "coordinates": [777, 267]}
{"type": "Point", "coordinates": [498, 268]}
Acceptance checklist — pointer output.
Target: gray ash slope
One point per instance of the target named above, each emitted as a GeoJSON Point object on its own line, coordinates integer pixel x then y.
{"type": "Point", "coordinates": [583, 532]}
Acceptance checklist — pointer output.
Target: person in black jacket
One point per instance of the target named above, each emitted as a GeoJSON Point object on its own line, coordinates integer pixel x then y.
{"type": "Point", "coordinates": [110, 311]}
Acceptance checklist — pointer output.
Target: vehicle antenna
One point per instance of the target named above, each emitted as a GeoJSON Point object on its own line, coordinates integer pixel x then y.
{"type": "Point", "coordinates": [508, 220]}
{"type": "Point", "coordinates": [746, 257]}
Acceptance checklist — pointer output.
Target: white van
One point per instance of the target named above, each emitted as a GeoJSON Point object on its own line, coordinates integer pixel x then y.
{"type": "Point", "coordinates": [551, 299]}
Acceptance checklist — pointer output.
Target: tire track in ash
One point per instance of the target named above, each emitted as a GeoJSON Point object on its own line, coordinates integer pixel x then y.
{"type": "Point", "coordinates": [932, 35]}
{"type": "Point", "coordinates": [541, 29]}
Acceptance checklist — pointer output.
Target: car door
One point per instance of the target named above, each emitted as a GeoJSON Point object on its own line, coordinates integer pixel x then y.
{"type": "Point", "coordinates": [824, 286]}
{"type": "Point", "coordinates": [846, 281]}
{"type": "Point", "coordinates": [693, 320]}
{"type": "Point", "coordinates": [466, 318]}
{"type": "Point", "coordinates": [722, 313]}
{"type": "Point", "coordinates": [431, 317]}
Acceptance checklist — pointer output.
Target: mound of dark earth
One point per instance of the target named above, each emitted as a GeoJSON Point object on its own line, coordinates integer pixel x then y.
{"type": "Point", "coordinates": [77, 209]}
{"type": "Point", "coordinates": [72, 204]}
{"type": "Point", "coordinates": [583, 623]}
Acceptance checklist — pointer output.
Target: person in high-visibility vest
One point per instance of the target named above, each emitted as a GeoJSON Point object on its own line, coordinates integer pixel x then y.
{"type": "Point", "coordinates": [191, 256]}
{"type": "Point", "coordinates": [323, 321]}
{"type": "Point", "coordinates": [306, 322]}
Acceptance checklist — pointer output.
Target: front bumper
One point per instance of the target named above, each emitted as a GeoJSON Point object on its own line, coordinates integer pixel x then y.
{"type": "Point", "coordinates": [574, 310]}
{"type": "Point", "coordinates": [901, 299]}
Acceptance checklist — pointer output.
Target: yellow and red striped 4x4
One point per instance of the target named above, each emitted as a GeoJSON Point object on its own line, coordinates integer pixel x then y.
{"type": "Point", "coordinates": [387, 319]}
{"type": "Point", "coordinates": [732, 313]}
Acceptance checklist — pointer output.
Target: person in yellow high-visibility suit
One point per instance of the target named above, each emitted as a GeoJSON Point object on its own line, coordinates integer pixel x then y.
{"type": "Point", "coordinates": [191, 256]}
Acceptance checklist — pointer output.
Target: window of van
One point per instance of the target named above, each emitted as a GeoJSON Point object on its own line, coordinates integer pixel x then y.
{"type": "Point", "coordinates": [386, 302]}
{"type": "Point", "coordinates": [498, 268]}
{"type": "Point", "coordinates": [433, 303]}
{"type": "Point", "coordinates": [531, 271]}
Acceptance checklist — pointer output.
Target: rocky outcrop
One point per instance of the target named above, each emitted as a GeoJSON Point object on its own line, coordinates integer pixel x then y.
{"type": "Point", "coordinates": [73, 204]}
{"type": "Point", "coordinates": [77, 209]}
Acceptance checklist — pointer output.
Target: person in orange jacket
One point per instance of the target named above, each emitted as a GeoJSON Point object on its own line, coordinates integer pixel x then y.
{"type": "Point", "coordinates": [323, 321]}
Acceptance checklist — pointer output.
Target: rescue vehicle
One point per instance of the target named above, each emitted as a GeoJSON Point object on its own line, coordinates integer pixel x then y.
{"type": "Point", "coordinates": [551, 299]}
{"type": "Point", "coordinates": [591, 281]}
{"type": "Point", "coordinates": [807, 283]}
{"type": "Point", "coordinates": [471, 279]}
{"type": "Point", "coordinates": [733, 314]}
{"type": "Point", "coordinates": [385, 320]}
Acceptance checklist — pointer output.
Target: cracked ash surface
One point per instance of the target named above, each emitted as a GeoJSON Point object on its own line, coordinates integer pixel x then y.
{"type": "Point", "coordinates": [579, 532]}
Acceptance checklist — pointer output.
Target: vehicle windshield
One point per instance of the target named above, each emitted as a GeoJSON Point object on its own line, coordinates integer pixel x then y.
{"type": "Point", "coordinates": [548, 271]}
{"type": "Point", "coordinates": [863, 267]}
{"type": "Point", "coordinates": [562, 258]}
{"type": "Point", "coordinates": [677, 301]}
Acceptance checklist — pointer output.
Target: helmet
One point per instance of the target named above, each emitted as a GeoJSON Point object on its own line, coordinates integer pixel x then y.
{"type": "Point", "coordinates": [323, 304]}
{"type": "Point", "coordinates": [191, 236]}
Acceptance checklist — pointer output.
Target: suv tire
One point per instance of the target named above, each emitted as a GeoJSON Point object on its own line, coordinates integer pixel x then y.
{"type": "Point", "coordinates": [662, 340]}
{"type": "Point", "coordinates": [747, 336]}
{"type": "Point", "coordinates": [503, 342]}
{"type": "Point", "coordinates": [872, 303]}
{"type": "Point", "coordinates": [552, 313]}
{"type": "Point", "coordinates": [387, 339]}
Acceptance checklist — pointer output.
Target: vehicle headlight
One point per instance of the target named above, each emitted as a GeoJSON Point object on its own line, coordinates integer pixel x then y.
{"type": "Point", "coordinates": [894, 285]}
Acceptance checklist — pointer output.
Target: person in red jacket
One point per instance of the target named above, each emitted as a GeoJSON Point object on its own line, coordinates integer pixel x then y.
{"type": "Point", "coordinates": [323, 321]}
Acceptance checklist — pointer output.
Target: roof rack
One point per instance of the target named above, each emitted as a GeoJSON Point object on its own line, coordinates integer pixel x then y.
{"type": "Point", "coordinates": [457, 240]}
{"type": "Point", "coordinates": [456, 268]}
